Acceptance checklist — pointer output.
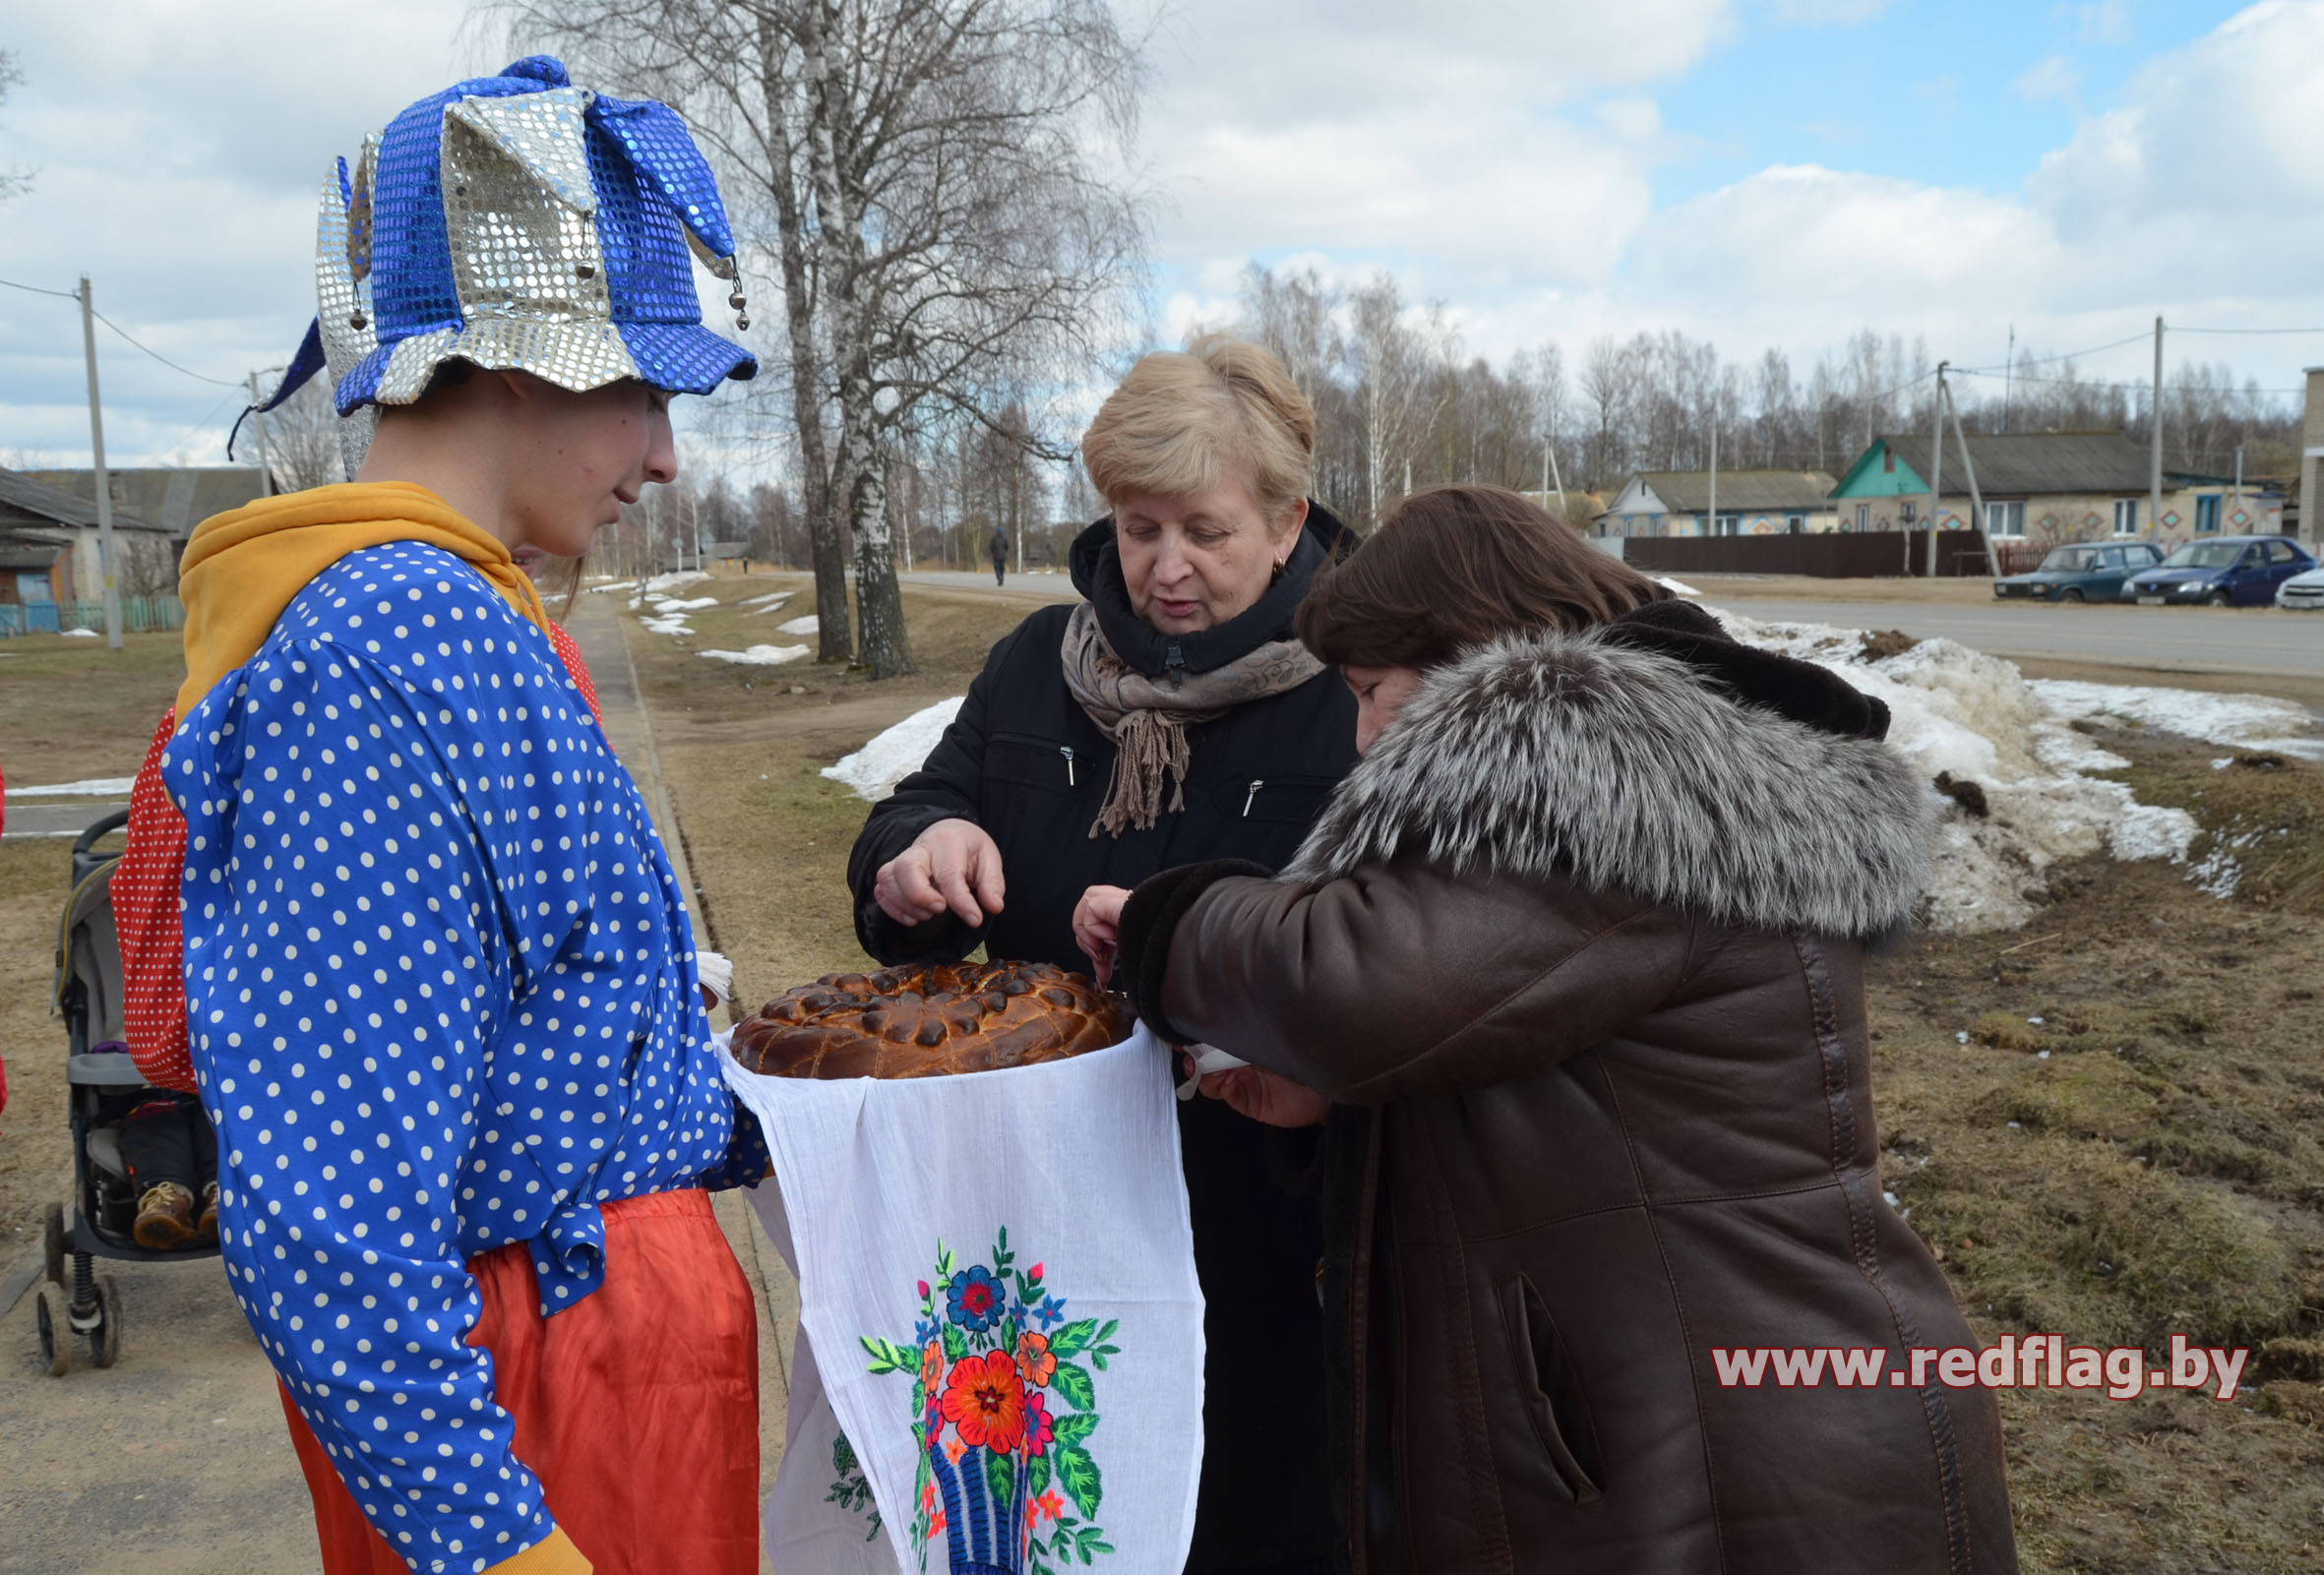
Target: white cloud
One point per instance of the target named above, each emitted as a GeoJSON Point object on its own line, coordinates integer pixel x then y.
{"type": "Point", "coordinates": [2056, 77]}
{"type": "Point", "coordinates": [2104, 20]}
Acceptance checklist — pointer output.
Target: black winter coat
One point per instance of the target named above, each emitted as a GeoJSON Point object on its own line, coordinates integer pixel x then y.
{"type": "Point", "coordinates": [1026, 762]}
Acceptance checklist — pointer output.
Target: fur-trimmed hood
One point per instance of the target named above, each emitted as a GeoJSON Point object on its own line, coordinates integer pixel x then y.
{"type": "Point", "coordinates": [1625, 769]}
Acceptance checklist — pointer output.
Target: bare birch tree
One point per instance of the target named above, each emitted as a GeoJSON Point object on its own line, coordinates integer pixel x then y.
{"type": "Point", "coordinates": [946, 188]}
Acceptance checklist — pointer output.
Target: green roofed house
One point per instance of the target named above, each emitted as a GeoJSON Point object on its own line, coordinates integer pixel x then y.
{"type": "Point", "coordinates": [2047, 487]}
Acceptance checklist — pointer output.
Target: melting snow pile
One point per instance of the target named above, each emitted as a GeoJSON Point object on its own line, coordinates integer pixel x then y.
{"type": "Point", "coordinates": [767, 603]}
{"type": "Point", "coordinates": [758, 656]}
{"type": "Point", "coordinates": [874, 770]}
{"type": "Point", "coordinates": [800, 625]}
{"type": "Point", "coordinates": [668, 583]}
{"type": "Point", "coordinates": [1975, 719]}
{"type": "Point", "coordinates": [1676, 587]}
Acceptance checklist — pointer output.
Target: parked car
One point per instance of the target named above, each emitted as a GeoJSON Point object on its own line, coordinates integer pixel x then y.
{"type": "Point", "coordinates": [2223, 570]}
{"type": "Point", "coordinates": [2303, 592]}
{"type": "Point", "coordinates": [2086, 570]}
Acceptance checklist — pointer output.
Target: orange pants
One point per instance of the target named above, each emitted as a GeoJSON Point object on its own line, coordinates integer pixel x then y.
{"type": "Point", "coordinates": [637, 1407]}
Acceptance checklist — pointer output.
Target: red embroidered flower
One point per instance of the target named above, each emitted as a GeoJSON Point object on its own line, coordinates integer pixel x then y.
{"type": "Point", "coordinates": [1037, 1431]}
{"type": "Point", "coordinates": [984, 1399]}
{"type": "Point", "coordinates": [1033, 1358]}
{"type": "Point", "coordinates": [1051, 1504]}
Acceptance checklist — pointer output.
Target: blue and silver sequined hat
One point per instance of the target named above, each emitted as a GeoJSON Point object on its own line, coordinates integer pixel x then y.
{"type": "Point", "coordinates": [519, 223]}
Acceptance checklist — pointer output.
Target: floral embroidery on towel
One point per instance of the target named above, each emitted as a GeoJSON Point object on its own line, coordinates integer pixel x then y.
{"type": "Point", "coordinates": [1004, 1406]}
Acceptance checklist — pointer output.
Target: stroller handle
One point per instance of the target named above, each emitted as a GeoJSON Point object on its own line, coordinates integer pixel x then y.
{"type": "Point", "coordinates": [90, 838]}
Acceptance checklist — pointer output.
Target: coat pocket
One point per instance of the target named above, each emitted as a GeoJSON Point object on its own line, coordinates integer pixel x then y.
{"type": "Point", "coordinates": [1549, 1389]}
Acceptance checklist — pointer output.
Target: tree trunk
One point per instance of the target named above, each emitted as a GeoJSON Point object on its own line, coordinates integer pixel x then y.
{"type": "Point", "coordinates": [883, 646]}
{"type": "Point", "coordinates": [828, 542]}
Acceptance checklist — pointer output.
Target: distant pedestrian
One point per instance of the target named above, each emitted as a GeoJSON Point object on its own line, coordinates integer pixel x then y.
{"type": "Point", "coordinates": [998, 548]}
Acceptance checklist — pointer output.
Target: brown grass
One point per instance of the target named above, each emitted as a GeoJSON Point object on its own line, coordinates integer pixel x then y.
{"type": "Point", "coordinates": [70, 709]}
{"type": "Point", "coordinates": [2142, 1161]}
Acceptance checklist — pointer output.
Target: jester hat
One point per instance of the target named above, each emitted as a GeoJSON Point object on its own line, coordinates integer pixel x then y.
{"type": "Point", "coordinates": [516, 221]}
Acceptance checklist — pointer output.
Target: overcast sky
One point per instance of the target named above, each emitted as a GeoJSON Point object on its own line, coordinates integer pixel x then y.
{"type": "Point", "coordinates": [1758, 172]}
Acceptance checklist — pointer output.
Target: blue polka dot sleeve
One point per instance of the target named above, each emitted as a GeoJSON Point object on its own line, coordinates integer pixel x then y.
{"type": "Point", "coordinates": [441, 999]}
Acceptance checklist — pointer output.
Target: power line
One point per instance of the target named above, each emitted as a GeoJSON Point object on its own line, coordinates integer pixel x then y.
{"type": "Point", "coordinates": [2105, 387]}
{"type": "Point", "coordinates": [158, 356]}
{"type": "Point", "coordinates": [68, 295]}
{"type": "Point", "coordinates": [62, 295]}
{"type": "Point", "coordinates": [2178, 329]}
{"type": "Point", "coordinates": [2047, 360]}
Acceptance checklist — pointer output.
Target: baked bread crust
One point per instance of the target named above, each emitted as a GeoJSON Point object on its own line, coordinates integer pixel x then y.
{"type": "Point", "coordinates": [930, 1020]}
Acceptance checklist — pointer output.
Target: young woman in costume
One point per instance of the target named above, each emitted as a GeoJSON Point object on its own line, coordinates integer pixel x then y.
{"type": "Point", "coordinates": [440, 989]}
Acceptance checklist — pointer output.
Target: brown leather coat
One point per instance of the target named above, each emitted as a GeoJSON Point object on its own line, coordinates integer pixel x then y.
{"type": "Point", "coordinates": [1577, 954]}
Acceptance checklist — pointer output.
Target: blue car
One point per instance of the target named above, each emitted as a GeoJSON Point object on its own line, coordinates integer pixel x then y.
{"type": "Point", "coordinates": [2221, 570]}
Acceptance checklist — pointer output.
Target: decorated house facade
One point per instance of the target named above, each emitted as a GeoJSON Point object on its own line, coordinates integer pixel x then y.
{"type": "Point", "coordinates": [2047, 487]}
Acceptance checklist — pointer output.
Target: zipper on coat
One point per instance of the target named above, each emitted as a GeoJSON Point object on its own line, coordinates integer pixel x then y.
{"type": "Point", "coordinates": [1252, 797]}
{"type": "Point", "coordinates": [1066, 750]}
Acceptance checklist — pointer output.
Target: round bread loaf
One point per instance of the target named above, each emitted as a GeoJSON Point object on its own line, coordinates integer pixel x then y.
{"type": "Point", "coordinates": [930, 1020]}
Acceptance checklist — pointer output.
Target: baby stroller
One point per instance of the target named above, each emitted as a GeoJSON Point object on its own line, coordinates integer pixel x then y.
{"type": "Point", "coordinates": [102, 1085]}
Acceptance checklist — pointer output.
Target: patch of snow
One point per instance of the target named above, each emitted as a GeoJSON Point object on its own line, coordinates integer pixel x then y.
{"type": "Point", "coordinates": [874, 770]}
{"type": "Point", "coordinates": [675, 624]}
{"type": "Point", "coordinates": [1675, 587]}
{"type": "Point", "coordinates": [96, 787]}
{"type": "Point", "coordinates": [800, 625]}
{"type": "Point", "coordinates": [619, 584]}
{"type": "Point", "coordinates": [665, 606]}
{"type": "Point", "coordinates": [686, 576]}
{"type": "Point", "coordinates": [2236, 721]}
{"type": "Point", "coordinates": [80, 634]}
{"type": "Point", "coordinates": [771, 601]}
{"type": "Point", "coordinates": [758, 656]}
{"type": "Point", "coordinates": [1957, 710]}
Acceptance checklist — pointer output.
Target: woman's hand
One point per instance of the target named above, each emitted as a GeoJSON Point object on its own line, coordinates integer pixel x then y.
{"type": "Point", "coordinates": [1097, 927]}
{"type": "Point", "coordinates": [1265, 1097]}
{"type": "Point", "coordinates": [953, 865]}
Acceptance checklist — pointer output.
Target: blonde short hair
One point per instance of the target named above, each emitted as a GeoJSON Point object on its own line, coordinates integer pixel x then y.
{"type": "Point", "coordinates": [1178, 423]}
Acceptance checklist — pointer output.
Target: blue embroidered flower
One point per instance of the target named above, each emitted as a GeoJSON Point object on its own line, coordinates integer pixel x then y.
{"type": "Point", "coordinates": [1052, 1309]}
{"type": "Point", "coordinates": [924, 1331]}
{"type": "Point", "coordinates": [977, 1299]}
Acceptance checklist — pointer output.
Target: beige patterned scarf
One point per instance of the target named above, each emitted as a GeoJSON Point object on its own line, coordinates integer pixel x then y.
{"type": "Point", "coordinates": [1148, 717]}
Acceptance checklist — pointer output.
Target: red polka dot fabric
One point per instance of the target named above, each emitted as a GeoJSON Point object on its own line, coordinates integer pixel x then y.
{"type": "Point", "coordinates": [144, 889]}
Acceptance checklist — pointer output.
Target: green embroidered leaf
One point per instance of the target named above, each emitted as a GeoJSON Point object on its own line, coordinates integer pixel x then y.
{"type": "Point", "coordinates": [886, 1358]}
{"type": "Point", "coordinates": [1001, 1478]}
{"type": "Point", "coordinates": [956, 1343]}
{"type": "Point", "coordinates": [1037, 1477]}
{"type": "Point", "coordinates": [1075, 1428]}
{"type": "Point", "coordinates": [1074, 1338]}
{"type": "Point", "coordinates": [1074, 1383]}
{"type": "Point", "coordinates": [842, 1454]}
{"type": "Point", "coordinates": [1062, 1544]}
{"type": "Point", "coordinates": [1079, 1474]}
{"type": "Point", "coordinates": [1088, 1541]}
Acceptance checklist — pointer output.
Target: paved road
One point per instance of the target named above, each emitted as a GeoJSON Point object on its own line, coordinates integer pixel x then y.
{"type": "Point", "coordinates": [2166, 638]}
{"type": "Point", "coordinates": [56, 817]}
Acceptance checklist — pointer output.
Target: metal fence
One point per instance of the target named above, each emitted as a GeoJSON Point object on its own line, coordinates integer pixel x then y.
{"type": "Point", "coordinates": [139, 615]}
{"type": "Point", "coordinates": [1839, 555]}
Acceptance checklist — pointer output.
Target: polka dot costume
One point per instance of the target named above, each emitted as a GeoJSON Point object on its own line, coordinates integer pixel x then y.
{"type": "Point", "coordinates": [440, 994]}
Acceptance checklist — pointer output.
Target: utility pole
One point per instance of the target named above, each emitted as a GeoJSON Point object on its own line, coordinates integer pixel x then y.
{"type": "Point", "coordinates": [2008, 371]}
{"type": "Point", "coordinates": [1977, 502]}
{"type": "Point", "coordinates": [264, 469]}
{"type": "Point", "coordinates": [104, 481]}
{"type": "Point", "coordinates": [1711, 528]}
{"type": "Point", "coordinates": [2155, 415]}
{"type": "Point", "coordinates": [1550, 476]}
{"type": "Point", "coordinates": [1936, 467]}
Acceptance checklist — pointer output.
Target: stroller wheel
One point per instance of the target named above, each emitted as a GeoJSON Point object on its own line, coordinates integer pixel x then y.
{"type": "Point", "coordinates": [52, 1243]}
{"type": "Point", "coordinates": [56, 1340]}
{"type": "Point", "coordinates": [104, 1340]}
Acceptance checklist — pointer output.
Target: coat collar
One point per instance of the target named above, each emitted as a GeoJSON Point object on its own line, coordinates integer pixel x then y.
{"type": "Point", "coordinates": [1584, 757]}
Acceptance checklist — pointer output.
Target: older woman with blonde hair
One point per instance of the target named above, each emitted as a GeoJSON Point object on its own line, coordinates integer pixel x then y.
{"type": "Point", "coordinates": [1170, 716]}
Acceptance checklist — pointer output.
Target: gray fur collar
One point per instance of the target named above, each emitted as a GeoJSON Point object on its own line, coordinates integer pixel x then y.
{"type": "Point", "coordinates": [1622, 768]}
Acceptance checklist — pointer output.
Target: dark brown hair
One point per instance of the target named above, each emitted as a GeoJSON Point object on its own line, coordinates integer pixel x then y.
{"type": "Point", "coordinates": [1454, 566]}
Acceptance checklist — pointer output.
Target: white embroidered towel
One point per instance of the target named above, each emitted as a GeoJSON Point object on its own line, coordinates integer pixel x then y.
{"type": "Point", "coordinates": [998, 1301]}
